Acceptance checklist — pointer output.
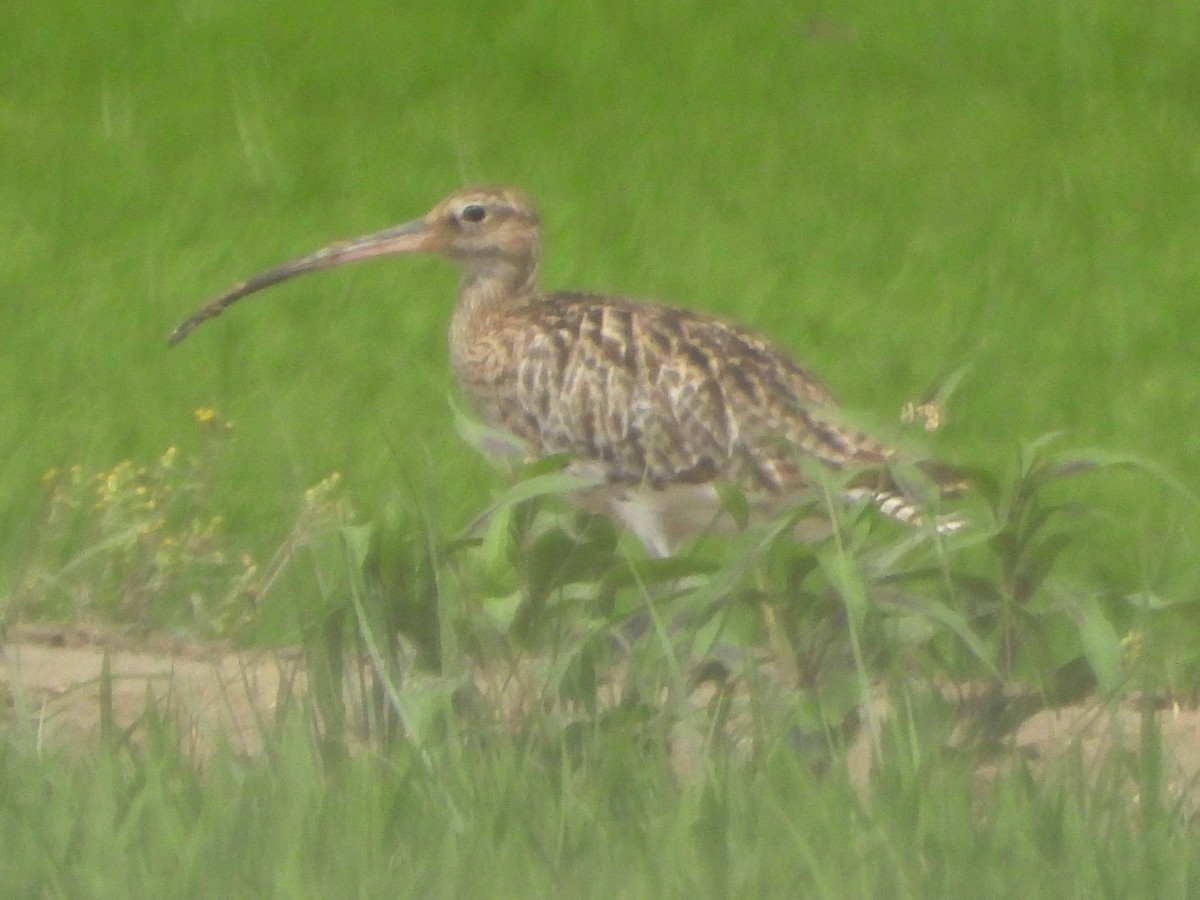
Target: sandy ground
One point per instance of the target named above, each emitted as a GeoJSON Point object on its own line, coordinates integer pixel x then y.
{"type": "Point", "coordinates": [50, 679]}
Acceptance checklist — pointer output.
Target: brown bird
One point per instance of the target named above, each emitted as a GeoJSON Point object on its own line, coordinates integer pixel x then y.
{"type": "Point", "coordinates": [659, 406]}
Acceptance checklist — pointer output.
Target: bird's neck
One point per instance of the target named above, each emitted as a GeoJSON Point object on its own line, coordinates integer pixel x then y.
{"type": "Point", "coordinates": [492, 285]}
{"type": "Point", "coordinates": [487, 294]}
{"type": "Point", "coordinates": [500, 278]}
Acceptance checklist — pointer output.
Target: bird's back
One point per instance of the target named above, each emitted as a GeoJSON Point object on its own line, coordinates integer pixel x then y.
{"type": "Point", "coordinates": [654, 395]}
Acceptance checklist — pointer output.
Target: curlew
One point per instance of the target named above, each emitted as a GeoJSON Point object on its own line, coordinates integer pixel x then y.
{"type": "Point", "coordinates": [659, 406]}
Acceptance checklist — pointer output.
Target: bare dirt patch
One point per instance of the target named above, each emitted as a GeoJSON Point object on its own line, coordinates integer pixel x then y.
{"type": "Point", "coordinates": [1097, 732]}
{"type": "Point", "coordinates": [51, 680]}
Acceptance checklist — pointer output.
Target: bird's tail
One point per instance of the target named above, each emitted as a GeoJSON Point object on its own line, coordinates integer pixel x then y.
{"type": "Point", "coordinates": [892, 492]}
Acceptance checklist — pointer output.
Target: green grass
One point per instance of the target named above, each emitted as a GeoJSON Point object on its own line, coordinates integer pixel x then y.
{"type": "Point", "coordinates": [1011, 188]}
{"type": "Point", "coordinates": [600, 814]}
{"type": "Point", "coordinates": [892, 191]}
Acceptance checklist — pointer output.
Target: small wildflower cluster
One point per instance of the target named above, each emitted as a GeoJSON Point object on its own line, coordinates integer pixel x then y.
{"type": "Point", "coordinates": [136, 544]}
{"type": "Point", "coordinates": [929, 414]}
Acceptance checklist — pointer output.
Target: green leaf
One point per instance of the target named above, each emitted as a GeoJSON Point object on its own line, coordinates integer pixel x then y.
{"type": "Point", "coordinates": [953, 620]}
{"type": "Point", "coordinates": [1154, 602]}
{"type": "Point", "coordinates": [909, 629]}
{"type": "Point", "coordinates": [652, 575]}
{"type": "Point", "coordinates": [358, 541]}
{"type": "Point", "coordinates": [502, 611]}
{"type": "Point", "coordinates": [733, 502]}
{"type": "Point", "coordinates": [488, 441]}
{"type": "Point", "coordinates": [1091, 458]}
{"type": "Point", "coordinates": [493, 549]}
{"type": "Point", "coordinates": [1031, 453]}
{"type": "Point", "coordinates": [1101, 645]}
{"type": "Point", "coordinates": [1036, 562]}
{"type": "Point", "coordinates": [944, 390]}
{"type": "Point", "coordinates": [549, 484]}
{"type": "Point", "coordinates": [846, 577]}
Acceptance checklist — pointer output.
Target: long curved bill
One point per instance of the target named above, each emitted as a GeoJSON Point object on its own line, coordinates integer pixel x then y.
{"type": "Point", "coordinates": [412, 237]}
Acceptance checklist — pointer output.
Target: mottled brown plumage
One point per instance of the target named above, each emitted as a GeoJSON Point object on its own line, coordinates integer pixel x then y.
{"type": "Point", "coordinates": [662, 404]}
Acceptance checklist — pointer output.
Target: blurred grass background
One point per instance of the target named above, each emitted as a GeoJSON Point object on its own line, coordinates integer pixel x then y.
{"type": "Point", "coordinates": [890, 190]}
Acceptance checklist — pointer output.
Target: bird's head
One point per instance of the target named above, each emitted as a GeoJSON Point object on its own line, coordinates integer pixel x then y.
{"type": "Point", "coordinates": [490, 232]}
{"type": "Point", "coordinates": [482, 228]}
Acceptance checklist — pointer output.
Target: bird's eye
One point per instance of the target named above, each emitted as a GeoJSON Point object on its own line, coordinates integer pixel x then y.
{"type": "Point", "coordinates": [473, 213]}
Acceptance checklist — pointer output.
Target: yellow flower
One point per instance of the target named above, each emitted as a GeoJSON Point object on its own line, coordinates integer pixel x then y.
{"type": "Point", "coordinates": [931, 416]}
{"type": "Point", "coordinates": [324, 488]}
{"type": "Point", "coordinates": [205, 414]}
